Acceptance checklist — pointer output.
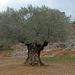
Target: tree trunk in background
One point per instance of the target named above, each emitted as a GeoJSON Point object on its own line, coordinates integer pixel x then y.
{"type": "Point", "coordinates": [34, 55]}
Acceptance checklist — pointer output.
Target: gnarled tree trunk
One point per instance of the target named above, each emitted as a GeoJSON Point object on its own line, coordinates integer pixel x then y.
{"type": "Point", "coordinates": [34, 55]}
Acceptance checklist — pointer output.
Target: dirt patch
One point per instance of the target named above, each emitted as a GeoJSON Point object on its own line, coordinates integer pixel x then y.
{"type": "Point", "coordinates": [48, 52]}
{"type": "Point", "coordinates": [49, 69]}
{"type": "Point", "coordinates": [15, 66]}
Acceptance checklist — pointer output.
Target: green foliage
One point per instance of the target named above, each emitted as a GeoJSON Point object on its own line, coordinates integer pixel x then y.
{"type": "Point", "coordinates": [74, 22]}
{"type": "Point", "coordinates": [33, 25]}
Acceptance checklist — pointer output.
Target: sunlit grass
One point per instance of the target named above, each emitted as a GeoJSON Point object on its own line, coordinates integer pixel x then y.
{"type": "Point", "coordinates": [65, 59]}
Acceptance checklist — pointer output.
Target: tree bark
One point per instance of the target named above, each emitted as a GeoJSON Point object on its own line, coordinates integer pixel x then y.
{"type": "Point", "coordinates": [34, 55]}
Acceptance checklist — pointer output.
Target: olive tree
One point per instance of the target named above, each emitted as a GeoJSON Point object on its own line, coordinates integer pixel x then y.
{"type": "Point", "coordinates": [35, 27]}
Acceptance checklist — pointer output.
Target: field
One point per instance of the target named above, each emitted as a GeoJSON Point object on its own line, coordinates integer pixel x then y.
{"type": "Point", "coordinates": [62, 64]}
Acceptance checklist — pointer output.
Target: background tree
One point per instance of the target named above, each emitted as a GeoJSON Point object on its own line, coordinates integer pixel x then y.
{"type": "Point", "coordinates": [34, 26]}
{"type": "Point", "coordinates": [74, 22]}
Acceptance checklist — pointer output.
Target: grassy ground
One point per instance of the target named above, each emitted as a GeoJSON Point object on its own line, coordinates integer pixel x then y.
{"type": "Point", "coordinates": [66, 57]}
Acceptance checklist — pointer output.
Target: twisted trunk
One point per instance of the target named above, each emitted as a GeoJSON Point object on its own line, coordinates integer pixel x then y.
{"type": "Point", "coordinates": [34, 55]}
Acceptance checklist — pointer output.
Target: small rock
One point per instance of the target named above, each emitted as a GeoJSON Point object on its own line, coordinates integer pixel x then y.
{"type": "Point", "coordinates": [50, 56]}
{"type": "Point", "coordinates": [66, 49]}
{"type": "Point", "coordinates": [46, 48]}
{"type": "Point", "coordinates": [56, 45]}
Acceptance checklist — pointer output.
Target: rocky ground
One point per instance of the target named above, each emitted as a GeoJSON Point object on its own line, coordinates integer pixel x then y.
{"type": "Point", "coordinates": [21, 50]}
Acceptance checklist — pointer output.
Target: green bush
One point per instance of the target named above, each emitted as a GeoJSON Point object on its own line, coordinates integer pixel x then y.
{"type": "Point", "coordinates": [74, 22]}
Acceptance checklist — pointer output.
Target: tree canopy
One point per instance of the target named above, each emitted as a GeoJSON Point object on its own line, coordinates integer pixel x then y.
{"type": "Point", "coordinates": [73, 22]}
{"type": "Point", "coordinates": [33, 25]}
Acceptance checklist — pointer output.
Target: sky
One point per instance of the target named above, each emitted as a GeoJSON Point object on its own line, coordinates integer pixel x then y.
{"type": "Point", "coordinates": [67, 6]}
